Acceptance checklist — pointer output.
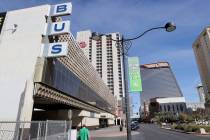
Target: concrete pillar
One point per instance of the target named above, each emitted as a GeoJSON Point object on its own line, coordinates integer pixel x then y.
{"type": "Point", "coordinates": [26, 102]}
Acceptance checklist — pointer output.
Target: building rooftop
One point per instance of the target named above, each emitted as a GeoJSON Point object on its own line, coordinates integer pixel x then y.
{"type": "Point", "coordinates": [168, 100]}
{"type": "Point", "coordinates": [156, 65]}
{"type": "Point", "coordinates": [203, 33]}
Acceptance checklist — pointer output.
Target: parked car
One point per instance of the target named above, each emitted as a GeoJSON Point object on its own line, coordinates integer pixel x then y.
{"type": "Point", "coordinates": [134, 126]}
{"type": "Point", "coordinates": [136, 122]}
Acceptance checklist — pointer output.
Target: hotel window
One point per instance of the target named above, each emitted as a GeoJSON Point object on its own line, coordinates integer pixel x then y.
{"type": "Point", "coordinates": [164, 108]}
{"type": "Point", "coordinates": [160, 108]}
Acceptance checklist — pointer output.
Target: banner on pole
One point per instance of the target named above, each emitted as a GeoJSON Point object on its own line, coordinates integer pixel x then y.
{"type": "Point", "coordinates": [134, 74]}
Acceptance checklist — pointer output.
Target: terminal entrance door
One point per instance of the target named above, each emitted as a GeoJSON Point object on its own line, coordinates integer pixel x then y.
{"type": "Point", "coordinates": [103, 122]}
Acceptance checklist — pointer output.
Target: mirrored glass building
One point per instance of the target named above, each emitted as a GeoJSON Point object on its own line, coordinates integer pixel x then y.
{"type": "Point", "coordinates": [158, 80]}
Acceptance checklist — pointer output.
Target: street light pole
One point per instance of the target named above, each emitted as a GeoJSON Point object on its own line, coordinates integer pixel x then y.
{"type": "Point", "coordinates": [126, 90]}
{"type": "Point", "coordinates": [169, 27]}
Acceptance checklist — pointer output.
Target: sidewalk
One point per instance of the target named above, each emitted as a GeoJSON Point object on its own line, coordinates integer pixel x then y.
{"type": "Point", "coordinates": [112, 131]}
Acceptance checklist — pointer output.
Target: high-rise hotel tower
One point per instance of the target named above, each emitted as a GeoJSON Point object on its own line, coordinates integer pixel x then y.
{"type": "Point", "coordinates": [105, 56]}
{"type": "Point", "coordinates": [201, 47]}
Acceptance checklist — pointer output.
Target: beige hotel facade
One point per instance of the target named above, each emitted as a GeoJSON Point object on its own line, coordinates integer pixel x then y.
{"type": "Point", "coordinates": [105, 56]}
{"type": "Point", "coordinates": [201, 48]}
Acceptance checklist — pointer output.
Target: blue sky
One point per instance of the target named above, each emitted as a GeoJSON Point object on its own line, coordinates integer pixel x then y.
{"type": "Point", "coordinates": [131, 17]}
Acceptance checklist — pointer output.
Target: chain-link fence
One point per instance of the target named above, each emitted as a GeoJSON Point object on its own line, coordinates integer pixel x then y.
{"type": "Point", "coordinates": [35, 130]}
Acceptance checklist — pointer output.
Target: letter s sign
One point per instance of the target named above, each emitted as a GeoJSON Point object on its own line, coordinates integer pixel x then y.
{"type": "Point", "coordinates": [62, 9]}
{"type": "Point", "coordinates": [56, 49]}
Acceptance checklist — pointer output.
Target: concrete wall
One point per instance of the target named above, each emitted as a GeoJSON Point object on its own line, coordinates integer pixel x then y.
{"type": "Point", "coordinates": [111, 122]}
{"type": "Point", "coordinates": [18, 55]}
{"type": "Point", "coordinates": [94, 122]}
{"type": "Point", "coordinates": [81, 117]}
{"type": "Point", "coordinates": [89, 122]}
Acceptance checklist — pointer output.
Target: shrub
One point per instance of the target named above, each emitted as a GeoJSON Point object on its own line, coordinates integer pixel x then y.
{"type": "Point", "coordinates": [183, 117]}
{"type": "Point", "coordinates": [195, 128]}
{"type": "Point", "coordinates": [191, 128]}
{"type": "Point", "coordinates": [188, 128]}
{"type": "Point", "coordinates": [179, 126]}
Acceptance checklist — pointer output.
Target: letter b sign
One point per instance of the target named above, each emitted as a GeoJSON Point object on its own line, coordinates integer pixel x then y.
{"type": "Point", "coordinates": [62, 9]}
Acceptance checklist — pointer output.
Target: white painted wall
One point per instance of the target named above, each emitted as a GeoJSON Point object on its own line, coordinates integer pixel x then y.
{"type": "Point", "coordinates": [171, 100]}
{"type": "Point", "coordinates": [18, 55]}
{"type": "Point", "coordinates": [115, 68]}
{"type": "Point", "coordinates": [84, 37]}
{"type": "Point", "coordinates": [111, 122]}
{"type": "Point", "coordinates": [104, 60]}
{"type": "Point", "coordinates": [90, 121]}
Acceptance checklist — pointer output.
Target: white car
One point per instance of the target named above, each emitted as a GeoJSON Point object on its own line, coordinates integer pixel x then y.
{"type": "Point", "coordinates": [163, 124]}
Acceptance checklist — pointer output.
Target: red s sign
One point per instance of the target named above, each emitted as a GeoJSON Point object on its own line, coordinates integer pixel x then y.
{"type": "Point", "coordinates": [82, 44]}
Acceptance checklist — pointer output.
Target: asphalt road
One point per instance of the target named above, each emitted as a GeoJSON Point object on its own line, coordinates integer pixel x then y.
{"type": "Point", "coordinates": [153, 132]}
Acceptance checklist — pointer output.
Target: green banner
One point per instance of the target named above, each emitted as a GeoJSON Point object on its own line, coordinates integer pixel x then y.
{"type": "Point", "coordinates": [134, 74]}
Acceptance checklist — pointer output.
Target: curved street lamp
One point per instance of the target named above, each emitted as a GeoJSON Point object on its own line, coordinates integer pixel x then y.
{"type": "Point", "coordinates": [169, 27]}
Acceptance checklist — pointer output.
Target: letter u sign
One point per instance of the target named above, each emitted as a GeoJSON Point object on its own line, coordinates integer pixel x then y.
{"type": "Point", "coordinates": [59, 28]}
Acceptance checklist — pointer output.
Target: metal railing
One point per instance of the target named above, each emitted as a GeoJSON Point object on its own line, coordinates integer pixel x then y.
{"type": "Point", "coordinates": [35, 130]}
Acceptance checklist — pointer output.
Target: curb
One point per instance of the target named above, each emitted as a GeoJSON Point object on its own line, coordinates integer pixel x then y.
{"type": "Point", "coordinates": [116, 134]}
{"type": "Point", "coordinates": [111, 136]}
{"type": "Point", "coordinates": [181, 131]}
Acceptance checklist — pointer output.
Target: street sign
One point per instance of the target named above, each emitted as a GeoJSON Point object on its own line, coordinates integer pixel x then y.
{"type": "Point", "coordinates": [134, 74]}
{"type": "Point", "coordinates": [57, 49]}
{"type": "Point", "coordinates": [82, 44]}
